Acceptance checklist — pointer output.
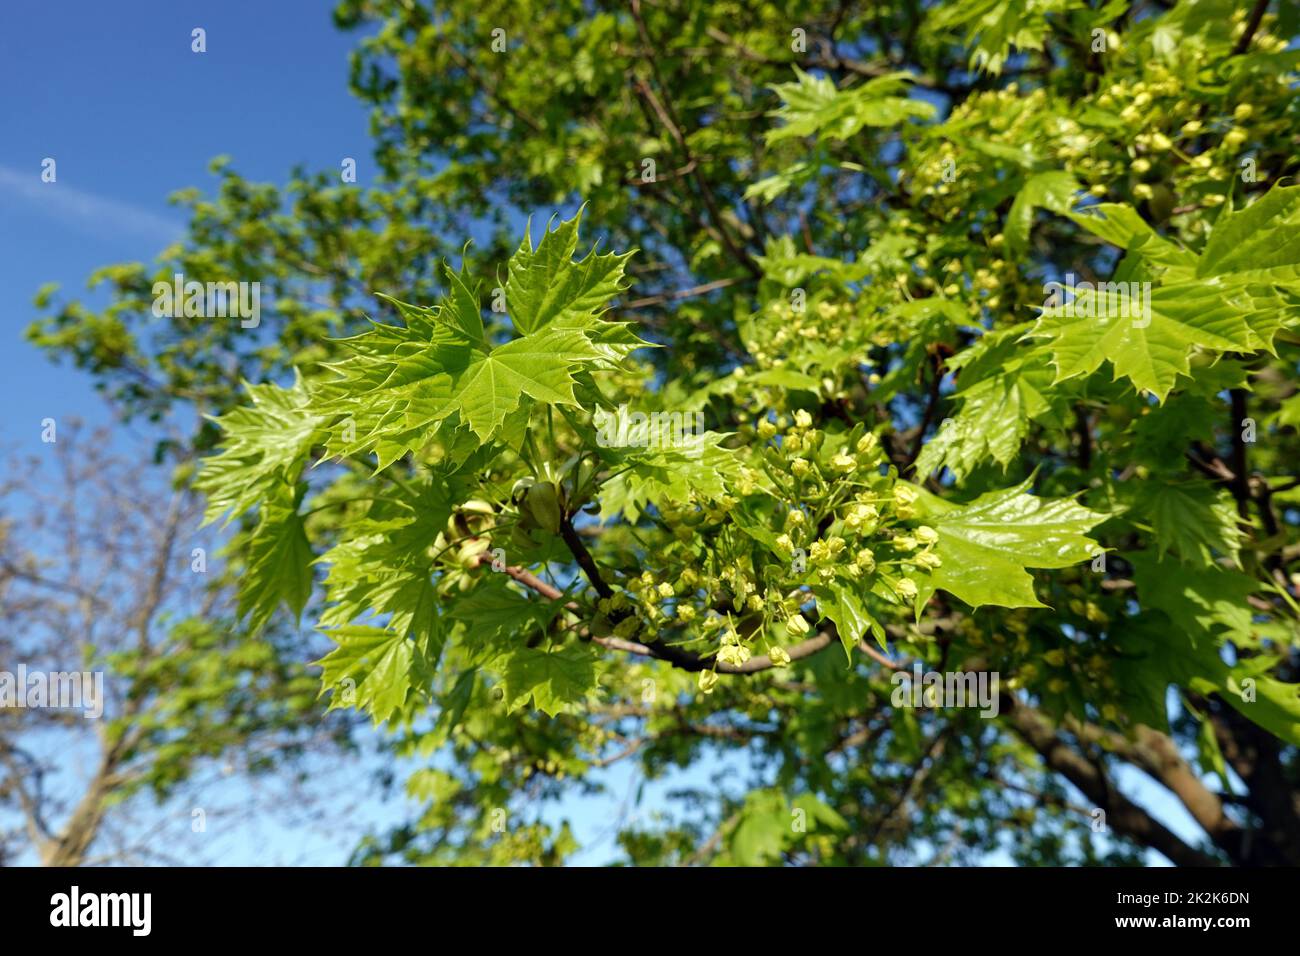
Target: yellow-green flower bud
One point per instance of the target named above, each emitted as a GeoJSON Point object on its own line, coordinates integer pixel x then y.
{"type": "Point", "coordinates": [734, 654]}
{"type": "Point", "coordinates": [707, 681]}
{"type": "Point", "coordinates": [928, 560]}
{"type": "Point", "coordinates": [905, 496]}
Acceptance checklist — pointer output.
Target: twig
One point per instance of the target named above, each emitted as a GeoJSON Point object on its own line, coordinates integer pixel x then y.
{"type": "Point", "coordinates": [1256, 15]}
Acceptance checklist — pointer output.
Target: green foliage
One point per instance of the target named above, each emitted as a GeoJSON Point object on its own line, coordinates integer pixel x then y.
{"type": "Point", "coordinates": [812, 106]}
{"type": "Point", "coordinates": [871, 422]}
{"type": "Point", "coordinates": [987, 544]}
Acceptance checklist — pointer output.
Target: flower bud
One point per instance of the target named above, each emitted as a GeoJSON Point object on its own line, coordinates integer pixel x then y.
{"type": "Point", "coordinates": [928, 560]}
{"type": "Point", "coordinates": [843, 463]}
{"type": "Point", "coordinates": [734, 654]}
{"type": "Point", "coordinates": [905, 496]}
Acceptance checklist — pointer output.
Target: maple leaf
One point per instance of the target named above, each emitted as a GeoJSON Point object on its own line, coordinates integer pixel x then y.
{"type": "Point", "coordinates": [988, 544]}
{"type": "Point", "coordinates": [401, 384]}
{"type": "Point", "coordinates": [279, 559]}
{"type": "Point", "coordinates": [554, 680]}
{"type": "Point", "coordinates": [263, 445]}
{"type": "Point", "coordinates": [813, 104]}
{"type": "Point", "coordinates": [1233, 297]}
{"type": "Point", "coordinates": [371, 668]}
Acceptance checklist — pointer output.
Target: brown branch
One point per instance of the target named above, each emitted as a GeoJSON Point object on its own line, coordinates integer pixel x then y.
{"type": "Point", "coordinates": [831, 61]}
{"type": "Point", "coordinates": [668, 117]}
{"type": "Point", "coordinates": [585, 561]}
{"type": "Point", "coordinates": [1126, 817]}
{"type": "Point", "coordinates": [915, 780]}
{"type": "Point", "coordinates": [1211, 466]}
{"type": "Point", "coordinates": [1256, 15]}
{"type": "Point", "coordinates": [685, 293]}
{"type": "Point", "coordinates": [1239, 485]}
{"type": "Point", "coordinates": [1083, 425]}
{"type": "Point", "coordinates": [879, 658]}
{"type": "Point", "coordinates": [37, 830]}
{"type": "Point", "coordinates": [656, 649]}
{"type": "Point", "coordinates": [931, 409]}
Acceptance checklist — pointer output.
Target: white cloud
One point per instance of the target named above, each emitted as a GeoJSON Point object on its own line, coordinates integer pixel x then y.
{"type": "Point", "coordinates": [86, 211]}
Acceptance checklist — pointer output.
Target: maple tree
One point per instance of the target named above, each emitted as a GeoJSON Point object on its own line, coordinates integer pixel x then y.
{"type": "Point", "coordinates": [843, 257]}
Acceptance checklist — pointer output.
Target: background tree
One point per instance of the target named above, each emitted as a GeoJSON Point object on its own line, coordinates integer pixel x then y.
{"type": "Point", "coordinates": [99, 573]}
{"type": "Point", "coordinates": [834, 251]}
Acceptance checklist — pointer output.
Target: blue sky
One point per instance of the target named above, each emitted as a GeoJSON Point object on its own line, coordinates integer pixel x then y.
{"type": "Point", "coordinates": [115, 95]}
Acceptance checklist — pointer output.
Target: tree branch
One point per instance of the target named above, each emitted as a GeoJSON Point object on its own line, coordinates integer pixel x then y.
{"type": "Point", "coordinates": [1123, 815]}
{"type": "Point", "coordinates": [1256, 15]}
